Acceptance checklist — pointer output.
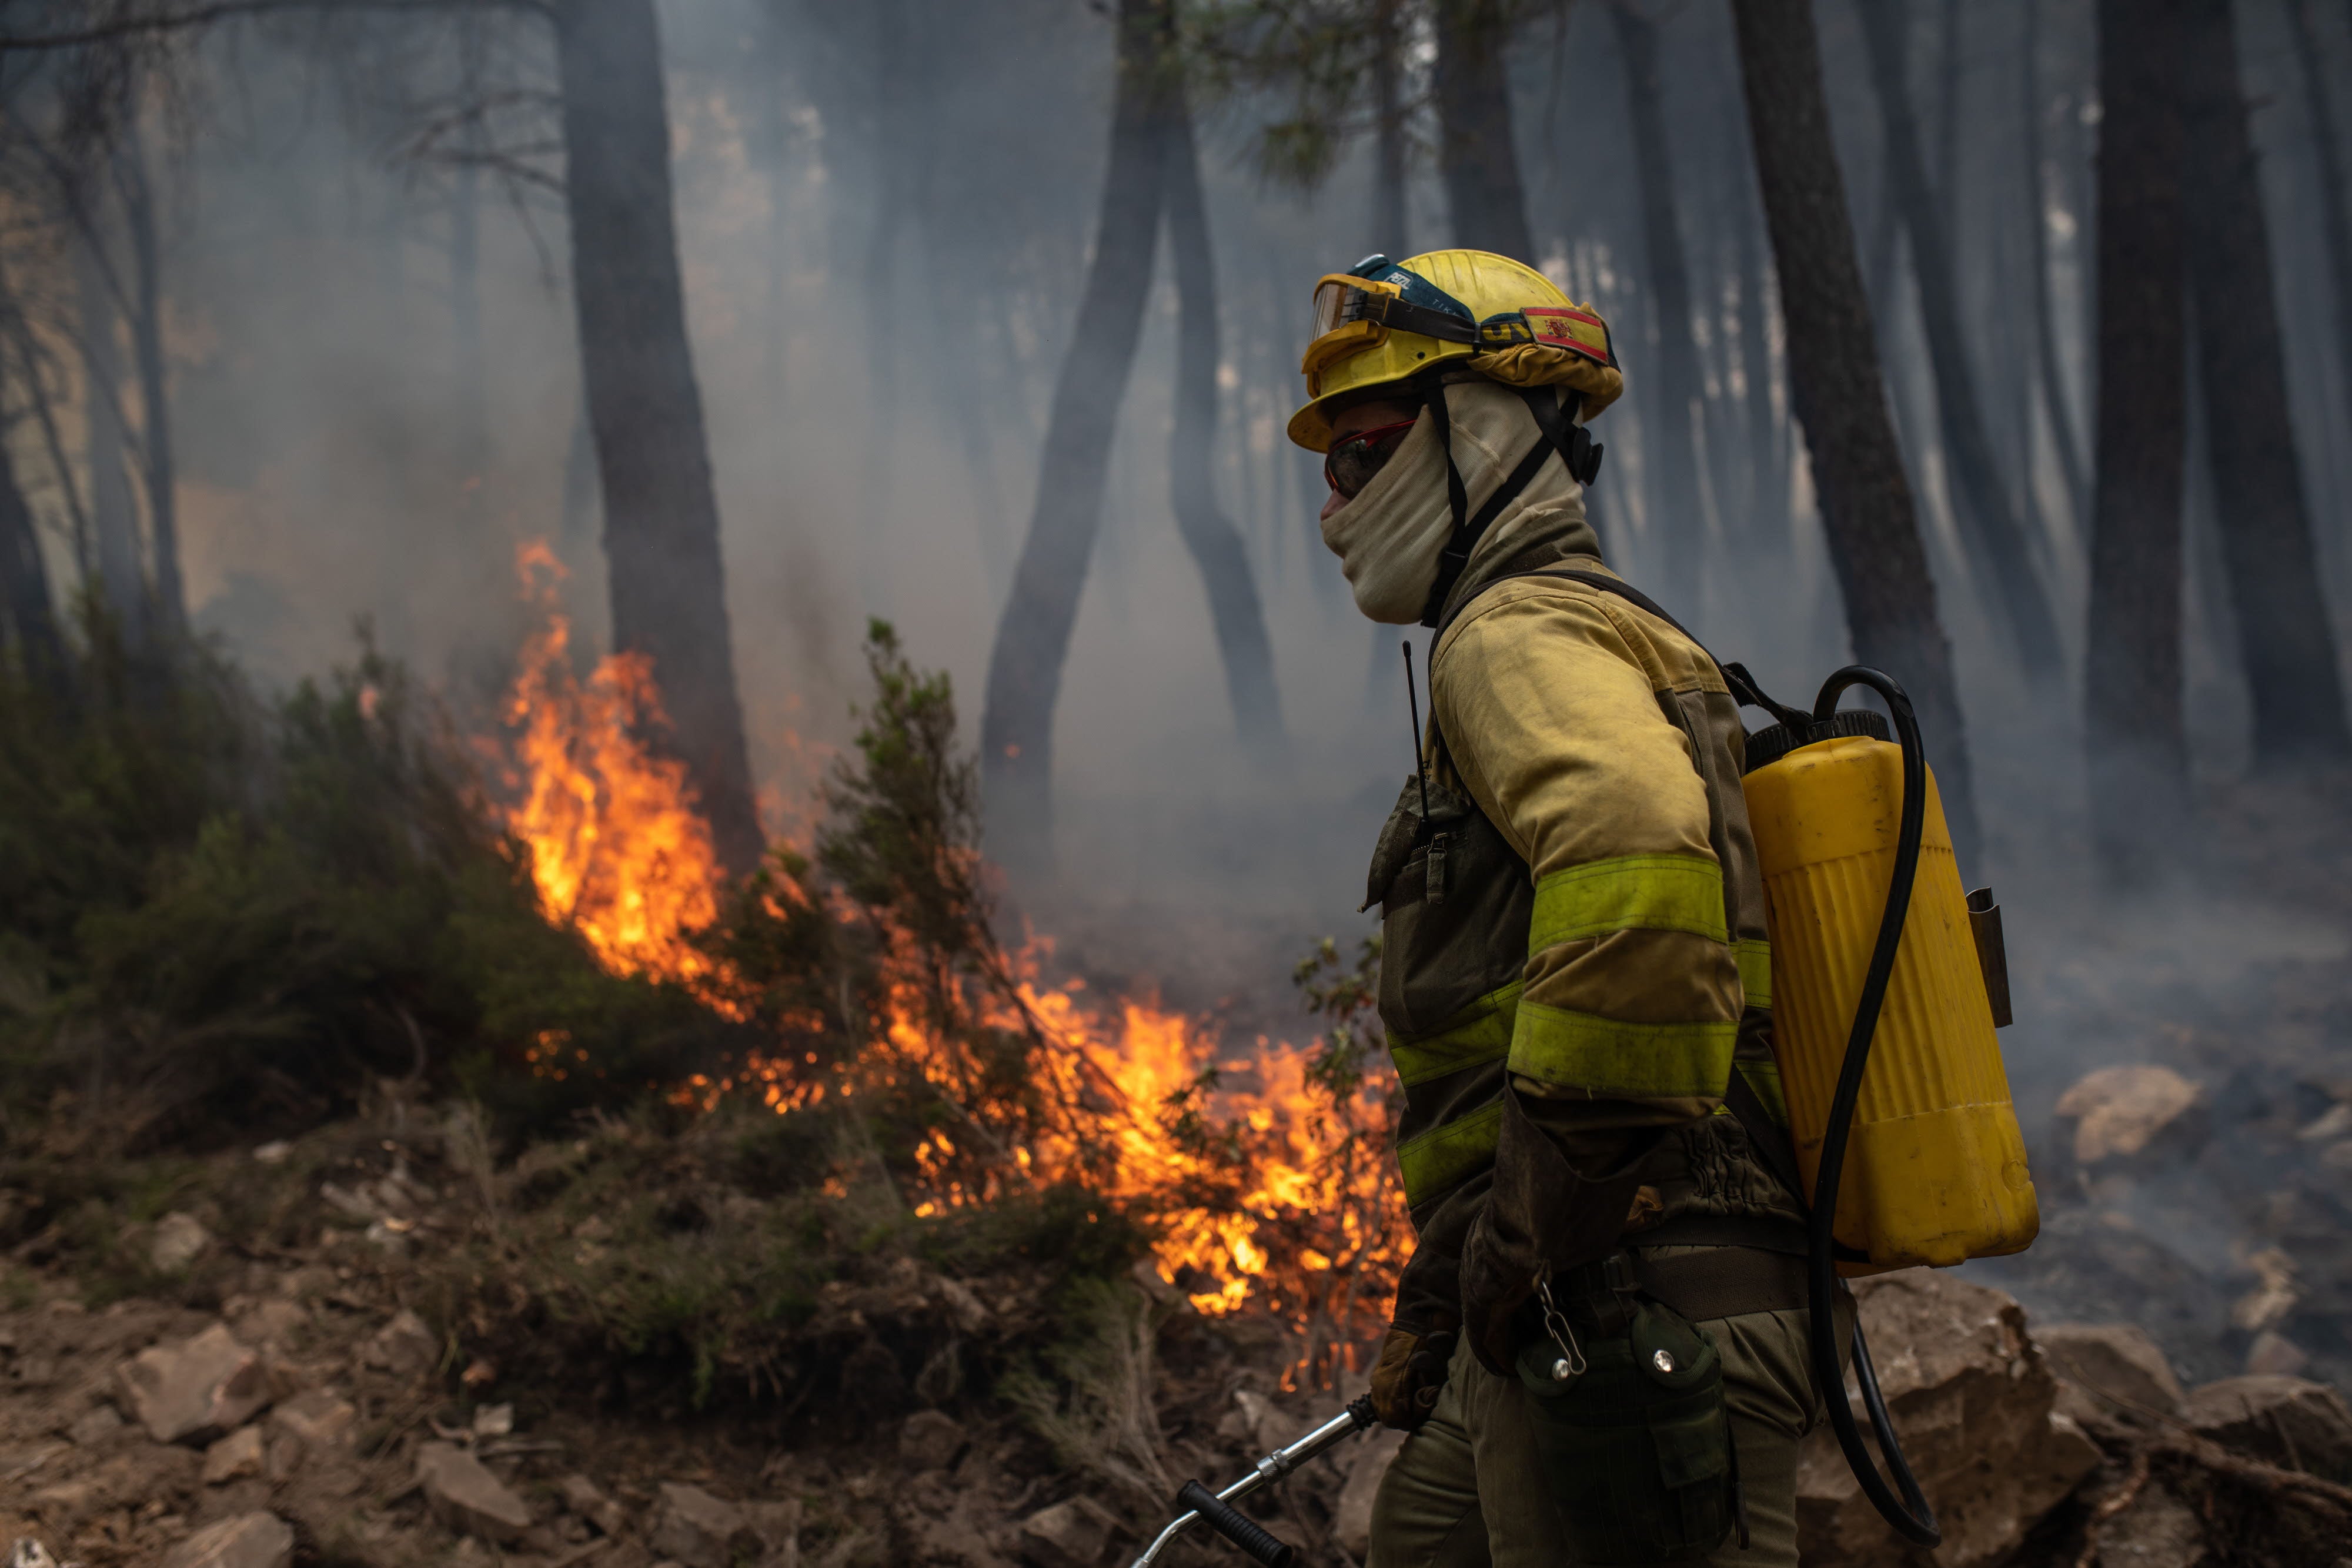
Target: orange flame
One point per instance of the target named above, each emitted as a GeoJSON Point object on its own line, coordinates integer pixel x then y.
{"type": "Point", "coordinates": [1269, 1193]}
{"type": "Point", "coordinates": [617, 848]}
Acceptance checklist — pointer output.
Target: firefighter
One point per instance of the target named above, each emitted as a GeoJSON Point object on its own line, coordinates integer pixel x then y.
{"type": "Point", "coordinates": [1575, 975]}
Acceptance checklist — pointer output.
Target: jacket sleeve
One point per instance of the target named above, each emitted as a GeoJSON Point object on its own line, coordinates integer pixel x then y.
{"type": "Point", "coordinates": [1631, 994]}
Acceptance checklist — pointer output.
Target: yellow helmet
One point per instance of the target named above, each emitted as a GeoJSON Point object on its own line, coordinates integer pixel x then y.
{"type": "Point", "coordinates": [1382, 323]}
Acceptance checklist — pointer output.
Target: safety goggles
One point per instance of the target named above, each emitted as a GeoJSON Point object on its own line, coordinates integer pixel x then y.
{"type": "Point", "coordinates": [1352, 460]}
{"type": "Point", "coordinates": [1354, 311]}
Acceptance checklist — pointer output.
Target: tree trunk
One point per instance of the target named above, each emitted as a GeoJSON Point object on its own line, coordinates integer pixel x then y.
{"type": "Point", "coordinates": [661, 512]}
{"type": "Point", "coordinates": [1948, 112]}
{"type": "Point", "coordinates": [1216, 544]}
{"type": "Point", "coordinates": [25, 584]}
{"type": "Point", "coordinates": [2335, 224]}
{"type": "Point", "coordinates": [1475, 153]}
{"type": "Point", "coordinates": [1389, 222]}
{"type": "Point", "coordinates": [465, 266]}
{"type": "Point", "coordinates": [2285, 637]}
{"type": "Point", "coordinates": [2048, 361]}
{"type": "Point", "coordinates": [2139, 754]}
{"type": "Point", "coordinates": [1682, 532]}
{"type": "Point", "coordinates": [1991, 523]}
{"type": "Point", "coordinates": [1764, 516]}
{"type": "Point", "coordinates": [170, 600]}
{"type": "Point", "coordinates": [114, 515]}
{"type": "Point", "coordinates": [1834, 385]}
{"type": "Point", "coordinates": [1033, 639]}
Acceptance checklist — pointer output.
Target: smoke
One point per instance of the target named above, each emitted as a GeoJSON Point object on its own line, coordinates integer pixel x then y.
{"type": "Point", "coordinates": [885, 212]}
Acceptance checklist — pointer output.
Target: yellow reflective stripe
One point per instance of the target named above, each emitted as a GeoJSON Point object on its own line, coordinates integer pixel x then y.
{"type": "Point", "coordinates": [1754, 956]}
{"type": "Point", "coordinates": [1604, 1056]}
{"type": "Point", "coordinates": [1764, 1076]}
{"type": "Point", "coordinates": [1480, 1033]}
{"type": "Point", "coordinates": [1444, 1154]}
{"type": "Point", "coordinates": [1632, 893]}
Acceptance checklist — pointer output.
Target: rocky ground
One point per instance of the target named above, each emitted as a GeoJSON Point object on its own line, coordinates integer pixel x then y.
{"type": "Point", "coordinates": [255, 1406]}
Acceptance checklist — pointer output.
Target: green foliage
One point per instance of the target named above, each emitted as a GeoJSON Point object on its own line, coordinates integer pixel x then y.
{"type": "Point", "coordinates": [1348, 999]}
{"type": "Point", "coordinates": [223, 914]}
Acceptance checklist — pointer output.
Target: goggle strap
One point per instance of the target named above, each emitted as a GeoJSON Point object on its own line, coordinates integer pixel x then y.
{"type": "Point", "coordinates": [1403, 315]}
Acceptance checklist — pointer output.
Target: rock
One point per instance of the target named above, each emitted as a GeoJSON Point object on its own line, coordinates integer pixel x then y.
{"type": "Point", "coordinates": [1263, 1421]}
{"type": "Point", "coordinates": [2109, 1372]}
{"type": "Point", "coordinates": [467, 1498]}
{"type": "Point", "coordinates": [234, 1457]}
{"type": "Point", "coordinates": [2273, 1297]}
{"type": "Point", "coordinates": [2290, 1422]}
{"type": "Point", "coordinates": [930, 1440]}
{"type": "Point", "coordinates": [95, 1426]}
{"type": "Point", "coordinates": [583, 1498]}
{"type": "Point", "coordinates": [404, 1346]}
{"type": "Point", "coordinates": [2275, 1355]}
{"type": "Point", "coordinates": [179, 1240]}
{"type": "Point", "coordinates": [2157, 1531]}
{"type": "Point", "coordinates": [2126, 1113]}
{"type": "Point", "coordinates": [1973, 1403]}
{"type": "Point", "coordinates": [698, 1530]}
{"type": "Point", "coordinates": [248, 1540]}
{"type": "Point", "coordinates": [272, 1153]}
{"type": "Point", "coordinates": [270, 1323]}
{"type": "Point", "coordinates": [493, 1420]}
{"type": "Point", "coordinates": [193, 1390]}
{"type": "Point", "coordinates": [319, 1418]}
{"type": "Point", "coordinates": [778, 1525]}
{"type": "Point", "coordinates": [1070, 1534]}
{"type": "Point", "coordinates": [1351, 1520]}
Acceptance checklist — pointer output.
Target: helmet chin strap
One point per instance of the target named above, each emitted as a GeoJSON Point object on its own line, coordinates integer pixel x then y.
{"type": "Point", "coordinates": [1561, 437]}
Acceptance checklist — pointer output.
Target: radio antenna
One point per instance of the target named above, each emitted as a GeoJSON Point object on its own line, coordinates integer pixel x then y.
{"type": "Point", "coordinates": [1413, 703]}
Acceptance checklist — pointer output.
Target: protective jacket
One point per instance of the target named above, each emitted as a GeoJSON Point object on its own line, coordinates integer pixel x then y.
{"type": "Point", "coordinates": [1575, 961]}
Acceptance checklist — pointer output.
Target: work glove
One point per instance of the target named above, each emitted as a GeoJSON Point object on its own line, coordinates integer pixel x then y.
{"type": "Point", "coordinates": [1410, 1376]}
{"type": "Point", "coordinates": [1542, 1213]}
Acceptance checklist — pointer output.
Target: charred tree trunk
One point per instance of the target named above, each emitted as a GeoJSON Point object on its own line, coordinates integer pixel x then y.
{"type": "Point", "coordinates": [25, 584]}
{"type": "Point", "coordinates": [1840, 401]}
{"type": "Point", "coordinates": [114, 511]}
{"type": "Point", "coordinates": [1033, 639]}
{"type": "Point", "coordinates": [1389, 222]}
{"type": "Point", "coordinates": [170, 600]}
{"type": "Point", "coordinates": [661, 512]}
{"type": "Point", "coordinates": [2285, 637]}
{"type": "Point", "coordinates": [1681, 411]}
{"type": "Point", "coordinates": [1476, 151]}
{"type": "Point", "coordinates": [1994, 529]}
{"type": "Point", "coordinates": [2048, 361]}
{"type": "Point", "coordinates": [2138, 753]}
{"type": "Point", "coordinates": [1765, 513]}
{"type": "Point", "coordinates": [1216, 544]}
{"type": "Point", "coordinates": [2335, 224]}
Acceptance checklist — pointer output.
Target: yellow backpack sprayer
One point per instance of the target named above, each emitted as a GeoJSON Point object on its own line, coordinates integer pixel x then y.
{"type": "Point", "coordinates": [1873, 941]}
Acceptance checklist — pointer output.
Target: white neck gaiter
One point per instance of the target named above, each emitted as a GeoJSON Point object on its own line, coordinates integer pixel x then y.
{"type": "Point", "coordinates": [1389, 538]}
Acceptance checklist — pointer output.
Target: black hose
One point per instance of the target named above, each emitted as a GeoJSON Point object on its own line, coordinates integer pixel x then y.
{"type": "Point", "coordinates": [1910, 1514]}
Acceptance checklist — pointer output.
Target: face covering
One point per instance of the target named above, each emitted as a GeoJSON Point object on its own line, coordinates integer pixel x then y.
{"type": "Point", "coordinates": [1390, 537]}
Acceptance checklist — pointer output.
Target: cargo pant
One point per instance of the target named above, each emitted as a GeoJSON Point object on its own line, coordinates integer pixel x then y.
{"type": "Point", "coordinates": [1467, 1490]}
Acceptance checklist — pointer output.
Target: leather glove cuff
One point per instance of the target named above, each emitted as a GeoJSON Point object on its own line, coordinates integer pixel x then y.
{"type": "Point", "coordinates": [1410, 1375]}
